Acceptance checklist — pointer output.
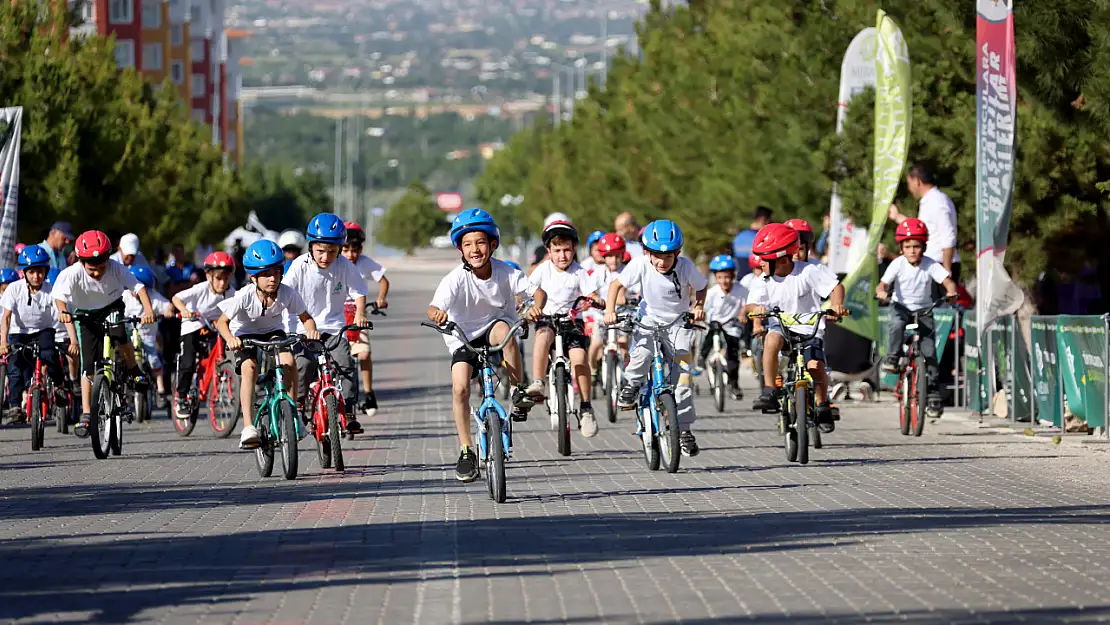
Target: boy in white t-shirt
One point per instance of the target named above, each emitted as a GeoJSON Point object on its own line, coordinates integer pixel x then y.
{"type": "Point", "coordinates": [200, 301]}
{"type": "Point", "coordinates": [664, 280]}
{"type": "Point", "coordinates": [564, 281]}
{"type": "Point", "coordinates": [258, 312]}
{"type": "Point", "coordinates": [724, 304]}
{"type": "Point", "coordinates": [612, 249]}
{"type": "Point", "coordinates": [360, 342]}
{"type": "Point", "coordinates": [794, 288]}
{"type": "Point", "coordinates": [912, 274]}
{"type": "Point", "coordinates": [325, 281]}
{"type": "Point", "coordinates": [479, 297]}
{"type": "Point", "coordinates": [593, 258]}
{"type": "Point", "coordinates": [148, 334]}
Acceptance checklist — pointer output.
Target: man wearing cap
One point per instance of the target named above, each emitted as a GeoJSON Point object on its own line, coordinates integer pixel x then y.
{"type": "Point", "coordinates": [60, 235]}
{"type": "Point", "coordinates": [128, 253]}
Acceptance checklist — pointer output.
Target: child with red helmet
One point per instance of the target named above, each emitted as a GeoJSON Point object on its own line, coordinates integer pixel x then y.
{"type": "Point", "coordinates": [805, 240]}
{"type": "Point", "coordinates": [95, 286]}
{"type": "Point", "coordinates": [200, 301]}
{"type": "Point", "coordinates": [793, 287]}
{"type": "Point", "coordinates": [912, 274]}
{"type": "Point", "coordinates": [613, 252]}
{"type": "Point", "coordinates": [360, 348]}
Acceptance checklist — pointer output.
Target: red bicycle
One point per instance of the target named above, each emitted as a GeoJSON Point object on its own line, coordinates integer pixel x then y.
{"type": "Point", "coordinates": [215, 383]}
{"type": "Point", "coordinates": [39, 399]}
{"type": "Point", "coordinates": [328, 411]}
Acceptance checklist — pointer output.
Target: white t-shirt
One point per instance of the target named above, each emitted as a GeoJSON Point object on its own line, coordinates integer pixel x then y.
{"type": "Point", "coordinates": [724, 308]}
{"type": "Point", "coordinates": [664, 297]}
{"type": "Point", "coordinates": [202, 300]}
{"type": "Point", "coordinates": [80, 292]}
{"type": "Point", "coordinates": [562, 287]}
{"type": "Point", "coordinates": [939, 214]}
{"type": "Point", "coordinates": [370, 271]}
{"type": "Point", "coordinates": [30, 313]}
{"type": "Point", "coordinates": [132, 307]}
{"type": "Point", "coordinates": [635, 248]}
{"type": "Point", "coordinates": [589, 264]}
{"type": "Point", "coordinates": [475, 305]}
{"type": "Point", "coordinates": [802, 291]}
{"type": "Point", "coordinates": [247, 315]}
{"type": "Point", "coordinates": [325, 290]}
{"type": "Point", "coordinates": [749, 282]}
{"type": "Point", "coordinates": [913, 286]}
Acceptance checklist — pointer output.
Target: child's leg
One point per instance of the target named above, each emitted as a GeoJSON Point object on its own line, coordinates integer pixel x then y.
{"type": "Point", "coordinates": [511, 354]}
{"type": "Point", "coordinates": [581, 370]}
{"type": "Point", "coordinates": [186, 362]}
{"type": "Point", "coordinates": [286, 360]}
{"type": "Point", "coordinates": [19, 372]}
{"type": "Point", "coordinates": [732, 359]}
{"type": "Point", "coordinates": [928, 344]}
{"type": "Point", "coordinates": [304, 374]}
{"type": "Point", "coordinates": [772, 345]}
{"type": "Point", "coordinates": [154, 359]}
{"type": "Point", "coordinates": [597, 343]}
{"type": "Point", "coordinates": [895, 332]}
{"type": "Point", "coordinates": [460, 400]}
{"type": "Point", "coordinates": [681, 377]}
{"type": "Point", "coordinates": [91, 343]}
{"type": "Point", "coordinates": [820, 381]}
{"type": "Point", "coordinates": [49, 355]}
{"type": "Point", "coordinates": [545, 337]}
{"type": "Point", "coordinates": [249, 377]}
{"type": "Point", "coordinates": [639, 361]}
{"type": "Point", "coordinates": [366, 371]}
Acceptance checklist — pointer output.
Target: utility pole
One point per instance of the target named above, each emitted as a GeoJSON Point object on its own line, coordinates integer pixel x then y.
{"type": "Point", "coordinates": [604, 47]}
{"type": "Point", "coordinates": [557, 95]}
{"type": "Point", "coordinates": [337, 172]}
{"type": "Point", "coordinates": [350, 171]}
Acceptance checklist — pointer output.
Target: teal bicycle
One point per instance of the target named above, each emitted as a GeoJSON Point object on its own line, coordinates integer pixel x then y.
{"type": "Point", "coordinates": [276, 414]}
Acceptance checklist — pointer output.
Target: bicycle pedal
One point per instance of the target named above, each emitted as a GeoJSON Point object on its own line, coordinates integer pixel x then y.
{"type": "Point", "coordinates": [519, 417]}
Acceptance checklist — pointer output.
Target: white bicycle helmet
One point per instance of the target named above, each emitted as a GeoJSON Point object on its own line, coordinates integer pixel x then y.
{"type": "Point", "coordinates": [555, 217]}
{"type": "Point", "coordinates": [291, 238]}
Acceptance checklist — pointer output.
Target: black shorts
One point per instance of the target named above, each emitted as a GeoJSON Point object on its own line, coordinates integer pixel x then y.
{"type": "Point", "coordinates": [463, 354]}
{"type": "Point", "coordinates": [815, 350]}
{"type": "Point", "coordinates": [90, 335]}
{"type": "Point", "coordinates": [244, 355]}
{"type": "Point", "coordinates": [571, 340]}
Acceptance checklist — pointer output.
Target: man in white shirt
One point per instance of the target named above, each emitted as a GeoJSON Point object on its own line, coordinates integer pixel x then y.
{"type": "Point", "coordinates": [939, 214]}
{"type": "Point", "coordinates": [128, 253]}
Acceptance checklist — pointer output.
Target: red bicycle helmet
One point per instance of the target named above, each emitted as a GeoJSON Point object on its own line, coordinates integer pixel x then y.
{"type": "Point", "coordinates": [355, 234]}
{"type": "Point", "coordinates": [753, 262]}
{"type": "Point", "coordinates": [775, 241]}
{"type": "Point", "coordinates": [218, 260]}
{"type": "Point", "coordinates": [627, 256]}
{"type": "Point", "coordinates": [92, 245]}
{"type": "Point", "coordinates": [611, 243]}
{"type": "Point", "coordinates": [805, 232]}
{"type": "Point", "coordinates": [911, 229]}
{"type": "Point", "coordinates": [559, 229]}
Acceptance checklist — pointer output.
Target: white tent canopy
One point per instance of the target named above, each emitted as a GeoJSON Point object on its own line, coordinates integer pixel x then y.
{"type": "Point", "coordinates": [251, 232]}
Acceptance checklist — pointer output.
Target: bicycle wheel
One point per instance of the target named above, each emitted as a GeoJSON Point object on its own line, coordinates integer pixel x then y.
{"type": "Point", "coordinates": [563, 431]}
{"type": "Point", "coordinates": [223, 400]}
{"type": "Point", "coordinates": [669, 447]}
{"type": "Point", "coordinates": [116, 439]}
{"type": "Point", "coordinates": [815, 437]}
{"type": "Point", "coordinates": [100, 419]}
{"type": "Point", "coordinates": [335, 434]}
{"type": "Point", "coordinates": [786, 426]}
{"type": "Point", "coordinates": [920, 397]}
{"type": "Point", "coordinates": [183, 424]}
{"type": "Point", "coordinates": [323, 441]}
{"type": "Point", "coordinates": [495, 457]}
{"type": "Point", "coordinates": [61, 415]}
{"type": "Point", "coordinates": [719, 385]}
{"type": "Point", "coordinates": [264, 453]}
{"type": "Point", "coordinates": [801, 423]}
{"type": "Point", "coordinates": [904, 399]}
{"type": "Point", "coordinates": [38, 427]}
{"type": "Point", "coordinates": [287, 438]}
{"type": "Point", "coordinates": [612, 386]}
{"type": "Point", "coordinates": [142, 405]}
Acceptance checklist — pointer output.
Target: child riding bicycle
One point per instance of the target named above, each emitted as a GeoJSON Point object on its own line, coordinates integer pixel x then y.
{"type": "Point", "coordinates": [371, 272]}
{"type": "Point", "coordinates": [148, 334]}
{"type": "Point", "coordinates": [724, 303]}
{"type": "Point", "coordinates": [200, 302]}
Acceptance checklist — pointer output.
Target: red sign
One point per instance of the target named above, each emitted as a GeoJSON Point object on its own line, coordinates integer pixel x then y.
{"type": "Point", "coordinates": [449, 202]}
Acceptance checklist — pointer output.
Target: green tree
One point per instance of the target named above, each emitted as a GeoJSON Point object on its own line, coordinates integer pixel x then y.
{"type": "Point", "coordinates": [282, 198]}
{"type": "Point", "coordinates": [412, 221]}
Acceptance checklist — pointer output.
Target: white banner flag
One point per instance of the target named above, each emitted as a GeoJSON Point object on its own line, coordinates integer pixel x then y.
{"type": "Point", "coordinates": [10, 127]}
{"type": "Point", "coordinates": [857, 73]}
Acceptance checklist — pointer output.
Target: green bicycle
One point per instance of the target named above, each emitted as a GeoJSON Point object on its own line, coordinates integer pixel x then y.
{"type": "Point", "coordinates": [276, 415]}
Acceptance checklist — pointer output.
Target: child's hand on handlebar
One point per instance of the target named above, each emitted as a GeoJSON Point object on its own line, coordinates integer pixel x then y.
{"type": "Point", "coordinates": [74, 350]}
{"type": "Point", "coordinates": [437, 316]}
{"type": "Point", "coordinates": [312, 335]}
{"type": "Point", "coordinates": [610, 317]}
{"type": "Point", "coordinates": [698, 312]}
{"type": "Point", "coordinates": [235, 344]}
{"type": "Point", "coordinates": [361, 321]}
{"type": "Point", "coordinates": [534, 312]}
{"type": "Point", "coordinates": [147, 318]}
{"type": "Point", "coordinates": [187, 314]}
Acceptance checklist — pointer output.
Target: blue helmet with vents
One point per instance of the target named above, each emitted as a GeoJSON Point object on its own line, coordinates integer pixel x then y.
{"type": "Point", "coordinates": [326, 228]}
{"type": "Point", "coordinates": [473, 220]}
{"type": "Point", "coordinates": [722, 262]}
{"type": "Point", "coordinates": [262, 255]}
{"type": "Point", "coordinates": [662, 235]}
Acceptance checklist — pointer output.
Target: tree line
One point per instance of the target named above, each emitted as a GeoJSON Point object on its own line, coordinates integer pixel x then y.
{"type": "Point", "coordinates": [732, 104]}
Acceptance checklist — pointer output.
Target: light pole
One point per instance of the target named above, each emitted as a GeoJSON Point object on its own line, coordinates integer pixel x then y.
{"type": "Point", "coordinates": [391, 164]}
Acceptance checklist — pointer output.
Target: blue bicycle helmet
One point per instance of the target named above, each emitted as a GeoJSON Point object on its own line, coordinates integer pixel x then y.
{"type": "Point", "coordinates": [594, 237]}
{"type": "Point", "coordinates": [662, 235]}
{"type": "Point", "coordinates": [52, 275]}
{"type": "Point", "coordinates": [144, 275]}
{"type": "Point", "coordinates": [513, 265]}
{"type": "Point", "coordinates": [262, 255]}
{"type": "Point", "coordinates": [7, 276]}
{"type": "Point", "coordinates": [326, 228]}
{"type": "Point", "coordinates": [473, 220]}
{"type": "Point", "coordinates": [288, 263]}
{"type": "Point", "coordinates": [33, 256]}
{"type": "Point", "coordinates": [723, 262]}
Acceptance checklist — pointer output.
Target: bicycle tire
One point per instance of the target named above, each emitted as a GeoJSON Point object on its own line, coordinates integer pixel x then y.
{"type": "Point", "coordinates": [61, 415]}
{"type": "Point", "coordinates": [100, 415]}
{"type": "Point", "coordinates": [287, 438]}
{"type": "Point", "coordinates": [612, 387]}
{"type": "Point", "coordinates": [815, 437]}
{"type": "Point", "coordinates": [183, 424]}
{"type": "Point", "coordinates": [223, 400]}
{"type": "Point", "coordinates": [323, 440]}
{"type": "Point", "coordinates": [142, 406]}
{"type": "Point", "coordinates": [786, 427]}
{"type": "Point", "coordinates": [719, 385]}
{"type": "Point", "coordinates": [920, 397]}
{"type": "Point", "coordinates": [38, 429]}
{"type": "Point", "coordinates": [801, 423]}
{"type": "Point", "coordinates": [670, 449]}
{"type": "Point", "coordinates": [904, 400]}
{"type": "Point", "coordinates": [335, 434]}
{"type": "Point", "coordinates": [264, 453]}
{"type": "Point", "coordinates": [495, 457]}
{"type": "Point", "coordinates": [563, 432]}
{"type": "Point", "coordinates": [116, 438]}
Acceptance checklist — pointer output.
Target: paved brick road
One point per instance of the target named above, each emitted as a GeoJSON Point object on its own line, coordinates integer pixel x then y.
{"type": "Point", "coordinates": [957, 526]}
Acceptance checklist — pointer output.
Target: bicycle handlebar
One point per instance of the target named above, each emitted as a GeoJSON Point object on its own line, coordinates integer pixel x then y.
{"type": "Point", "coordinates": [274, 344]}
{"type": "Point", "coordinates": [333, 341]}
{"type": "Point", "coordinates": [107, 323]}
{"type": "Point", "coordinates": [374, 310]}
{"type": "Point", "coordinates": [686, 318]}
{"type": "Point", "coordinates": [924, 311]}
{"type": "Point", "coordinates": [451, 329]}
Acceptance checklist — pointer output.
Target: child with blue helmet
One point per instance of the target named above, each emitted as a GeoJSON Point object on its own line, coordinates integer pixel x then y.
{"type": "Point", "coordinates": [593, 259]}
{"type": "Point", "coordinates": [479, 296]}
{"type": "Point", "coordinates": [664, 280]}
{"type": "Point", "coordinates": [7, 278]}
{"type": "Point", "coordinates": [29, 316]}
{"type": "Point", "coordinates": [162, 307]}
{"type": "Point", "coordinates": [724, 303]}
{"type": "Point", "coordinates": [325, 280]}
{"type": "Point", "coordinates": [257, 312]}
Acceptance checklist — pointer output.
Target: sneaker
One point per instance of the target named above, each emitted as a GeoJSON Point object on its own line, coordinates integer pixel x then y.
{"type": "Point", "coordinates": [824, 418]}
{"type": "Point", "coordinates": [181, 409]}
{"type": "Point", "coordinates": [518, 415]}
{"type": "Point", "coordinates": [369, 405]}
{"type": "Point", "coordinates": [249, 438]}
{"type": "Point", "coordinates": [81, 430]}
{"type": "Point", "coordinates": [766, 401]}
{"type": "Point", "coordinates": [890, 363]}
{"type": "Point", "coordinates": [466, 469]}
{"type": "Point", "coordinates": [161, 401]}
{"type": "Point", "coordinates": [688, 444]}
{"type": "Point", "coordinates": [626, 400]}
{"type": "Point", "coordinates": [536, 390]}
{"type": "Point", "coordinates": [587, 423]}
{"type": "Point", "coordinates": [520, 399]}
{"type": "Point", "coordinates": [736, 393]}
{"type": "Point", "coordinates": [61, 398]}
{"type": "Point", "coordinates": [307, 427]}
{"type": "Point", "coordinates": [353, 426]}
{"type": "Point", "coordinates": [138, 380]}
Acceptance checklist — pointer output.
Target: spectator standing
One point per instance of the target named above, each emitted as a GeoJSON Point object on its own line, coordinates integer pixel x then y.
{"type": "Point", "coordinates": [60, 235]}
{"type": "Point", "coordinates": [742, 244]}
{"type": "Point", "coordinates": [938, 212]}
{"type": "Point", "coordinates": [128, 252]}
{"type": "Point", "coordinates": [626, 226]}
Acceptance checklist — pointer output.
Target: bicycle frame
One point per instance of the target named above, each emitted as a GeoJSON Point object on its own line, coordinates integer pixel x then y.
{"type": "Point", "coordinates": [36, 380]}
{"type": "Point", "coordinates": [657, 382]}
{"type": "Point", "coordinates": [327, 384]}
{"type": "Point", "coordinates": [558, 357]}
{"type": "Point", "coordinates": [271, 379]}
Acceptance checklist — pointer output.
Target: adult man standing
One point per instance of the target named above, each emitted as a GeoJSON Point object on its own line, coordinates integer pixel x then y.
{"type": "Point", "coordinates": [60, 235]}
{"type": "Point", "coordinates": [626, 226]}
{"type": "Point", "coordinates": [742, 244]}
{"type": "Point", "coordinates": [939, 214]}
{"type": "Point", "coordinates": [128, 252]}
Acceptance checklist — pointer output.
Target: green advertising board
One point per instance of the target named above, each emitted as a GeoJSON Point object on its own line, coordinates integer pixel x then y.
{"type": "Point", "coordinates": [1081, 347]}
{"type": "Point", "coordinates": [1046, 380]}
{"type": "Point", "coordinates": [975, 374]}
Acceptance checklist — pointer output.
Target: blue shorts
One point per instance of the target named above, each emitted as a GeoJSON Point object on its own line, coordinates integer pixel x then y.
{"type": "Point", "coordinates": [151, 355]}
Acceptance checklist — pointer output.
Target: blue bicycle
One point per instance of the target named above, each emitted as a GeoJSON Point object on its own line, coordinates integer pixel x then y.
{"type": "Point", "coordinates": [490, 415]}
{"type": "Point", "coordinates": [656, 407]}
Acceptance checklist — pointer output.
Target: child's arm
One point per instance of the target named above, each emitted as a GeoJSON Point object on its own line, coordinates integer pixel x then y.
{"type": "Point", "coordinates": [616, 291]}
{"type": "Point", "coordinates": [698, 309]}
{"type": "Point", "coordinates": [310, 331]}
{"type": "Point", "coordinates": [5, 325]}
{"type": "Point", "coordinates": [383, 291]}
{"type": "Point", "coordinates": [882, 291]}
{"type": "Point", "coordinates": [74, 348]}
{"type": "Point", "coordinates": [223, 326]}
{"type": "Point", "coordinates": [182, 308]}
{"type": "Point", "coordinates": [63, 311]}
{"type": "Point", "coordinates": [437, 316]}
{"type": "Point", "coordinates": [539, 298]}
{"type": "Point", "coordinates": [949, 285]}
{"type": "Point", "coordinates": [360, 312]}
{"type": "Point", "coordinates": [148, 312]}
{"type": "Point", "coordinates": [836, 300]}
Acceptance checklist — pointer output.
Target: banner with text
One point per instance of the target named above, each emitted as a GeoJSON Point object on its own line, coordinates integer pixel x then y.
{"type": "Point", "coordinates": [11, 120]}
{"type": "Point", "coordinates": [893, 105]}
{"type": "Point", "coordinates": [1046, 380]}
{"type": "Point", "coordinates": [975, 373]}
{"type": "Point", "coordinates": [1081, 346]}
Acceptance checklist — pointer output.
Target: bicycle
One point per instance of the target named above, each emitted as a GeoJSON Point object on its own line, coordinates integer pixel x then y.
{"type": "Point", "coordinates": [215, 382]}
{"type": "Point", "coordinates": [143, 400]}
{"type": "Point", "coordinates": [560, 391]}
{"type": "Point", "coordinates": [65, 415]}
{"type": "Point", "coordinates": [329, 415]}
{"type": "Point", "coordinates": [716, 365]}
{"type": "Point", "coordinates": [794, 385]}
{"type": "Point", "coordinates": [912, 374]}
{"type": "Point", "coordinates": [613, 360]}
{"type": "Point", "coordinates": [109, 407]}
{"type": "Point", "coordinates": [656, 407]}
{"type": "Point", "coordinates": [490, 416]}
{"type": "Point", "coordinates": [276, 416]}
{"type": "Point", "coordinates": [505, 383]}
{"type": "Point", "coordinates": [38, 402]}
